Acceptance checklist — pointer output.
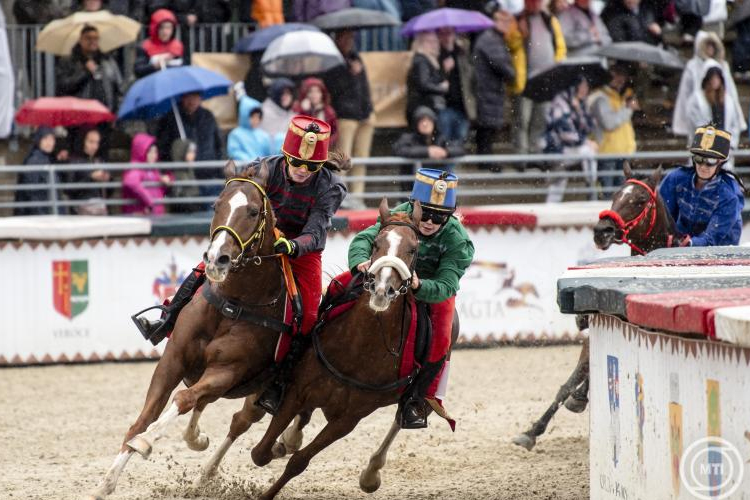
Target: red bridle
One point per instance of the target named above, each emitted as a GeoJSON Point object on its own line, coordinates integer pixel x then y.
{"type": "Point", "coordinates": [626, 227]}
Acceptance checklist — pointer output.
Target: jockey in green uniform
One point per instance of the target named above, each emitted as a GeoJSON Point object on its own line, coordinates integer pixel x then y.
{"type": "Point", "coordinates": [445, 252]}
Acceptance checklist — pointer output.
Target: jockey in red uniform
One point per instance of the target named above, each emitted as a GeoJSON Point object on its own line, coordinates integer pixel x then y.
{"type": "Point", "coordinates": [445, 252]}
{"type": "Point", "coordinates": [305, 193]}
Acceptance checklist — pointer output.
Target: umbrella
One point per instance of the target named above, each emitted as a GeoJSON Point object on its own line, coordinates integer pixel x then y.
{"type": "Point", "coordinates": [261, 39]}
{"type": "Point", "coordinates": [63, 111]}
{"type": "Point", "coordinates": [545, 84]}
{"type": "Point", "coordinates": [60, 36]}
{"type": "Point", "coordinates": [301, 53]}
{"type": "Point", "coordinates": [641, 52]}
{"type": "Point", "coordinates": [154, 95]}
{"type": "Point", "coordinates": [353, 18]}
{"type": "Point", "coordinates": [739, 14]}
{"type": "Point", "coordinates": [463, 21]}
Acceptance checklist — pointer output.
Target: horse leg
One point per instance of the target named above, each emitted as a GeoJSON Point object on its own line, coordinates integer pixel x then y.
{"type": "Point", "coordinates": [369, 479]}
{"type": "Point", "coordinates": [528, 438]}
{"type": "Point", "coordinates": [333, 431]}
{"type": "Point", "coordinates": [241, 422]}
{"type": "Point", "coordinates": [195, 439]}
{"type": "Point", "coordinates": [577, 401]}
{"type": "Point", "coordinates": [167, 375]}
{"type": "Point", "coordinates": [291, 439]}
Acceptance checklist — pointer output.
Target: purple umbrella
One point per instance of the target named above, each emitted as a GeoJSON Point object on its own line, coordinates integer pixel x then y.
{"type": "Point", "coordinates": [463, 21]}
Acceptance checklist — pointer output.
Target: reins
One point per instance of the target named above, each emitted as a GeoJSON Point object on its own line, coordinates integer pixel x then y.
{"type": "Point", "coordinates": [626, 227]}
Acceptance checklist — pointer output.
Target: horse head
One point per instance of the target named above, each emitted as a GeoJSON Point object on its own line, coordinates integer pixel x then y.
{"type": "Point", "coordinates": [394, 255]}
{"type": "Point", "coordinates": [633, 215]}
{"type": "Point", "coordinates": [242, 217]}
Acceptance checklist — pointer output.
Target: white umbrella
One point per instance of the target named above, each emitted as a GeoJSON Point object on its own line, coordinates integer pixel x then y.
{"type": "Point", "coordinates": [301, 53]}
{"type": "Point", "coordinates": [61, 35]}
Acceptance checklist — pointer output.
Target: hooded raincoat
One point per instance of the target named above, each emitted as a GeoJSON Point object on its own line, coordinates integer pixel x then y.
{"type": "Point", "coordinates": [323, 112]}
{"type": "Point", "coordinates": [275, 117]}
{"type": "Point", "coordinates": [35, 157]}
{"type": "Point", "coordinates": [246, 143]}
{"type": "Point", "coordinates": [133, 179]}
{"type": "Point", "coordinates": [153, 46]}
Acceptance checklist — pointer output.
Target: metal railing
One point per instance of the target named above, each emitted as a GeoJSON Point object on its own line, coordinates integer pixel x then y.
{"type": "Point", "coordinates": [479, 185]}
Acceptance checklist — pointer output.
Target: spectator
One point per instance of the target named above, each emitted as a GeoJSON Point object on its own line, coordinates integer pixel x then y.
{"type": "Point", "coordinates": [184, 150]}
{"type": "Point", "coordinates": [425, 83]}
{"type": "Point", "coordinates": [85, 150]}
{"type": "Point", "coordinates": [253, 83]}
{"type": "Point", "coordinates": [144, 150]}
{"type": "Point", "coordinates": [612, 107]}
{"type": "Point", "coordinates": [36, 11]}
{"type": "Point", "coordinates": [707, 46]}
{"type": "Point", "coordinates": [453, 120]}
{"type": "Point", "coordinates": [691, 17]}
{"type": "Point", "coordinates": [277, 111]}
{"type": "Point", "coordinates": [414, 8]}
{"type": "Point", "coordinates": [425, 143]}
{"type": "Point", "coordinates": [41, 154]}
{"type": "Point", "coordinates": [161, 48]}
{"type": "Point", "coordinates": [711, 103]}
{"type": "Point", "coordinates": [88, 73]}
{"type": "Point", "coordinates": [350, 98]}
{"type": "Point", "coordinates": [264, 12]}
{"type": "Point", "coordinates": [740, 54]}
{"type": "Point", "coordinates": [315, 101]}
{"type": "Point", "coordinates": [90, 5]}
{"type": "Point", "coordinates": [544, 46]}
{"type": "Point", "coordinates": [631, 21]}
{"type": "Point", "coordinates": [247, 141]}
{"type": "Point", "coordinates": [307, 10]}
{"type": "Point", "coordinates": [494, 70]}
{"type": "Point", "coordinates": [569, 124]}
{"type": "Point", "coordinates": [135, 9]}
{"type": "Point", "coordinates": [201, 128]}
{"type": "Point", "coordinates": [582, 28]}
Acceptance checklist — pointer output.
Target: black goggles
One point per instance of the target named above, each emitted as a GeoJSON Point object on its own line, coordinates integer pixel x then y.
{"type": "Point", "coordinates": [703, 160]}
{"type": "Point", "coordinates": [311, 167]}
{"type": "Point", "coordinates": [435, 217]}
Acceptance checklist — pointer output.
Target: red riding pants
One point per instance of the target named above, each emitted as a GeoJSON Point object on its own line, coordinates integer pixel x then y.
{"type": "Point", "coordinates": [441, 316]}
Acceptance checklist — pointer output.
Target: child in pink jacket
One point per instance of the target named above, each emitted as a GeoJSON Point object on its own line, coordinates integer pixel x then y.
{"type": "Point", "coordinates": [144, 150]}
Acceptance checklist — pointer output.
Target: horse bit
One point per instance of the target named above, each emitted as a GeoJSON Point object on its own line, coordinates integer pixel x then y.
{"type": "Point", "coordinates": [406, 272]}
{"type": "Point", "coordinates": [626, 227]}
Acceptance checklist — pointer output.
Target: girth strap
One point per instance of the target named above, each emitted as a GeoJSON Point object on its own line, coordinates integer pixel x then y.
{"type": "Point", "coordinates": [234, 310]}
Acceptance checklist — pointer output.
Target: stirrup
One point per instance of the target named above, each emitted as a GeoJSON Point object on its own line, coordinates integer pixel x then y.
{"type": "Point", "coordinates": [143, 325]}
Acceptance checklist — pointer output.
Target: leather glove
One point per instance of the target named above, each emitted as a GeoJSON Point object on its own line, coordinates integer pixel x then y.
{"type": "Point", "coordinates": [285, 246]}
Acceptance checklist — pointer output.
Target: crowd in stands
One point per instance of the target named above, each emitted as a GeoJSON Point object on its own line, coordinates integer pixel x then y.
{"type": "Point", "coordinates": [461, 88]}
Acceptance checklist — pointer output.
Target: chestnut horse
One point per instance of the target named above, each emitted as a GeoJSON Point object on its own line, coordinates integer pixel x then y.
{"type": "Point", "coordinates": [215, 354]}
{"type": "Point", "coordinates": [638, 218]}
{"type": "Point", "coordinates": [354, 366]}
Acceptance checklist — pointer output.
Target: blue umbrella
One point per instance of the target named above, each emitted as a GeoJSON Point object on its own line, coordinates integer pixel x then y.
{"type": "Point", "coordinates": [260, 40]}
{"type": "Point", "coordinates": [153, 95]}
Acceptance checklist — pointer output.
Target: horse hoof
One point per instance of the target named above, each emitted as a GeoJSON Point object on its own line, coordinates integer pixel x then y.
{"type": "Point", "coordinates": [199, 444]}
{"type": "Point", "coordinates": [278, 450]}
{"type": "Point", "coordinates": [525, 441]}
{"type": "Point", "coordinates": [369, 484]}
{"type": "Point", "coordinates": [576, 405]}
{"type": "Point", "coordinates": [140, 445]}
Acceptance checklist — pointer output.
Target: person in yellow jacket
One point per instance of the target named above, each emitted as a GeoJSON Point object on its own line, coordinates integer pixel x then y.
{"type": "Point", "coordinates": [538, 43]}
{"type": "Point", "coordinates": [612, 107]}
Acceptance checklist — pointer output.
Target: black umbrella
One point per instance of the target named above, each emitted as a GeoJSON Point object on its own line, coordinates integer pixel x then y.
{"type": "Point", "coordinates": [739, 13]}
{"type": "Point", "coordinates": [545, 84]}
{"type": "Point", "coordinates": [353, 18]}
{"type": "Point", "coordinates": [641, 52]}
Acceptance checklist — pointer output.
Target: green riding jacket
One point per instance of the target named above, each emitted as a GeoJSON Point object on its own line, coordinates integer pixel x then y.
{"type": "Point", "coordinates": [442, 260]}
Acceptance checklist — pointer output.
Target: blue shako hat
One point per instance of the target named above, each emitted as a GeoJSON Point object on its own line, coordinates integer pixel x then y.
{"type": "Point", "coordinates": [435, 190]}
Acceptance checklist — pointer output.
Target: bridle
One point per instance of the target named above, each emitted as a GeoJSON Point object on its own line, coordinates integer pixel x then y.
{"type": "Point", "coordinates": [257, 235]}
{"type": "Point", "coordinates": [406, 272]}
{"type": "Point", "coordinates": [649, 211]}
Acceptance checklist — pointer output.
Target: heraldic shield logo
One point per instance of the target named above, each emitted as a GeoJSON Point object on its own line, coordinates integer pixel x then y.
{"type": "Point", "coordinates": [70, 286]}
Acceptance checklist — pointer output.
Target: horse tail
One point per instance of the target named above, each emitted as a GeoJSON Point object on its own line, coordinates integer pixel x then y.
{"type": "Point", "coordinates": [339, 162]}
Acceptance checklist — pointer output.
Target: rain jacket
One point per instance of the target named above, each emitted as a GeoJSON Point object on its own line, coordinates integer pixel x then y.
{"type": "Point", "coordinates": [567, 127]}
{"type": "Point", "coordinates": [35, 157]}
{"type": "Point", "coordinates": [519, 46]}
{"type": "Point", "coordinates": [494, 70]}
{"type": "Point", "coordinates": [73, 79]}
{"type": "Point", "coordinates": [614, 131]}
{"type": "Point", "coordinates": [246, 143]}
{"type": "Point", "coordinates": [133, 179]}
{"type": "Point", "coordinates": [576, 24]}
{"type": "Point", "coordinates": [423, 86]}
{"type": "Point", "coordinates": [152, 46]}
{"type": "Point", "coordinates": [325, 112]}
{"type": "Point", "coordinates": [692, 77]}
{"type": "Point", "coordinates": [625, 25]}
{"type": "Point", "coordinates": [350, 94]}
{"type": "Point", "coordinates": [275, 118]}
{"type": "Point", "coordinates": [712, 215]}
{"type": "Point", "coordinates": [442, 258]}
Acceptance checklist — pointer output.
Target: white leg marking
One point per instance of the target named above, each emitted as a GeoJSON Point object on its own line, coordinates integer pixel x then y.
{"type": "Point", "coordinates": [292, 437]}
{"type": "Point", "coordinates": [195, 439]}
{"type": "Point", "coordinates": [213, 464]}
{"type": "Point", "coordinates": [108, 484]}
{"type": "Point", "coordinates": [143, 443]}
{"type": "Point", "coordinates": [369, 479]}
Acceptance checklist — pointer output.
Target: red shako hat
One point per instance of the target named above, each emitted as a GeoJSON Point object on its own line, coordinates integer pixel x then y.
{"type": "Point", "coordinates": [307, 139]}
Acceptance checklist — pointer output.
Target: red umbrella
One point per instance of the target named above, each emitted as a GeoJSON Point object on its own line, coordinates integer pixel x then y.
{"type": "Point", "coordinates": [63, 111]}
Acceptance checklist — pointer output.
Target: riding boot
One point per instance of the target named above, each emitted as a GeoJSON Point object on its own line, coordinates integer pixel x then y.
{"type": "Point", "coordinates": [156, 331]}
{"type": "Point", "coordinates": [272, 397]}
{"type": "Point", "coordinates": [413, 413]}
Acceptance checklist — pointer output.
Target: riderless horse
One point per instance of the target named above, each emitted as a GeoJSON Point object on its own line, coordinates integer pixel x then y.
{"type": "Point", "coordinates": [214, 353]}
{"type": "Point", "coordinates": [638, 218]}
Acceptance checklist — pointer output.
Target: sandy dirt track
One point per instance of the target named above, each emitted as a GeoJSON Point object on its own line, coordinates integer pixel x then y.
{"type": "Point", "coordinates": [61, 427]}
